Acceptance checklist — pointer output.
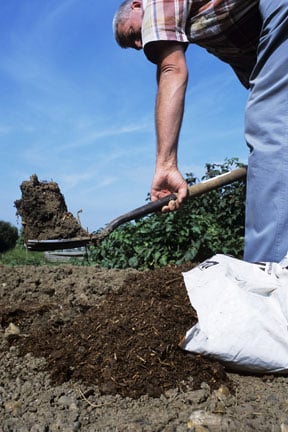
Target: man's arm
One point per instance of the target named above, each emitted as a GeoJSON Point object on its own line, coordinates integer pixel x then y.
{"type": "Point", "coordinates": [172, 76]}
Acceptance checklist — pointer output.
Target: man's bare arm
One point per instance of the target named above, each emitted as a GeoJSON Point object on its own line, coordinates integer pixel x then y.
{"type": "Point", "coordinates": [172, 79]}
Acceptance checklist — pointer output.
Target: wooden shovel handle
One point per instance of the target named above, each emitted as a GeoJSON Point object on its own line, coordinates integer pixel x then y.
{"type": "Point", "coordinates": [193, 191]}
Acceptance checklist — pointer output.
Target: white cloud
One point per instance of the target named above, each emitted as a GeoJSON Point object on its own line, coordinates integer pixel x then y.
{"type": "Point", "coordinates": [91, 136]}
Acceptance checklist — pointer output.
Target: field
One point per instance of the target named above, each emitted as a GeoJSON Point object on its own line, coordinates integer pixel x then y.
{"type": "Point", "coordinates": [89, 349]}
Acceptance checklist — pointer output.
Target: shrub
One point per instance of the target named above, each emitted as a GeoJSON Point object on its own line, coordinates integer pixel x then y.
{"type": "Point", "coordinates": [209, 224]}
{"type": "Point", "coordinates": [8, 236]}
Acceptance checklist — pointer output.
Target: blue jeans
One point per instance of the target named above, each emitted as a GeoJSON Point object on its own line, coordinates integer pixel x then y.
{"type": "Point", "coordinates": [266, 132]}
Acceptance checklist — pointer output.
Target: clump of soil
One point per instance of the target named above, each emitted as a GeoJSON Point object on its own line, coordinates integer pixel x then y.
{"type": "Point", "coordinates": [44, 213]}
{"type": "Point", "coordinates": [125, 344]}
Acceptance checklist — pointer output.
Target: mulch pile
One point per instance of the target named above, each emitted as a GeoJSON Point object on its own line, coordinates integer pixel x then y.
{"type": "Point", "coordinates": [44, 213]}
{"type": "Point", "coordinates": [128, 344]}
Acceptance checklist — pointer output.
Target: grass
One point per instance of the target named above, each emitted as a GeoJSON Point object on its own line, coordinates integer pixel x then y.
{"type": "Point", "coordinates": [21, 256]}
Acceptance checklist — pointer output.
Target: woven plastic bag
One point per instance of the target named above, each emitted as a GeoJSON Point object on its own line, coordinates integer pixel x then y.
{"type": "Point", "coordinates": [242, 313]}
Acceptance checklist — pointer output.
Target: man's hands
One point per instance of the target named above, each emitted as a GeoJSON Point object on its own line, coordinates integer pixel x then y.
{"type": "Point", "coordinates": [167, 181]}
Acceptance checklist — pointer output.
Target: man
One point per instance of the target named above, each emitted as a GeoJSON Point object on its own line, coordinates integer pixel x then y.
{"type": "Point", "coordinates": [251, 36]}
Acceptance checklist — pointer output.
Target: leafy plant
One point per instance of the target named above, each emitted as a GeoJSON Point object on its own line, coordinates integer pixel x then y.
{"type": "Point", "coordinates": [19, 255]}
{"type": "Point", "coordinates": [8, 236]}
{"type": "Point", "coordinates": [209, 224]}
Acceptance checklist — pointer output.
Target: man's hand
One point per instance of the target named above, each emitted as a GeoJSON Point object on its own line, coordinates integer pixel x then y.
{"type": "Point", "coordinates": [166, 182]}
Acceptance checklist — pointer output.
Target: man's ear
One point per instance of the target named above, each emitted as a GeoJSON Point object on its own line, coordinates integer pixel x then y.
{"type": "Point", "coordinates": [136, 4]}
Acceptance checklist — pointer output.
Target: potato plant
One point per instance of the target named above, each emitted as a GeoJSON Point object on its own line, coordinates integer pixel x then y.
{"type": "Point", "coordinates": [209, 224]}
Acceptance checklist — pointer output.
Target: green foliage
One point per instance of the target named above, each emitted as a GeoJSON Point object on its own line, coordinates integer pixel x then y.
{"type": "Point", "coordinates": [209, 224]}
{"type": "Point", "coordinates": [19, 255]}
{"type": "Point", "coordinates": [8, 236]}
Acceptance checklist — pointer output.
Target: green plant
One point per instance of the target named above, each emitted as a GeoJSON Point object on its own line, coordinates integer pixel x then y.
{"type": "Point", "coordinates": [212, 223]}
{"type": "Point", "coordinates": [8, 236]}
{"type": "Point", "coordinates": [19, 255]}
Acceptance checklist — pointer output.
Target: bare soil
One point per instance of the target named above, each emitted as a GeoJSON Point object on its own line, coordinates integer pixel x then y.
{"type": "Point", "coordinates": [89, 349]}
{"type": "Point", "coordinates": [127, 343]}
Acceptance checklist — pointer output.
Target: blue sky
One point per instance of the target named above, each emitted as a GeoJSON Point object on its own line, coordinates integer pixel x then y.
{"type": "Point", "coordinates": [77, 109]}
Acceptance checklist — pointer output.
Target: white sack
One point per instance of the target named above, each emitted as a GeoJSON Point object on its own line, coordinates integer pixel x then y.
{"type": "Point", "coordinates": [242, 311]}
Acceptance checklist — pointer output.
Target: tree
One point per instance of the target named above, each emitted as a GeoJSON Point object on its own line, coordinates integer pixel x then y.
{"type": "Point", "coordinates": [8, 236]}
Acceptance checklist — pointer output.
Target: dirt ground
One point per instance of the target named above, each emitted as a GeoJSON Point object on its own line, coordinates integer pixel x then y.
{"type": "Point", "coordinates": [89, 349]}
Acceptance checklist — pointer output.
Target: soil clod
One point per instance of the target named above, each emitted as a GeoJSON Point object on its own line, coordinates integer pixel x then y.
{"type": "Point", "coordinates": [44, 213]}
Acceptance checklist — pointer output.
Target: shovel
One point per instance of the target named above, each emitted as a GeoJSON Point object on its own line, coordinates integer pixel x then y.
{"type": "Point", "coordinates": [152, 207]}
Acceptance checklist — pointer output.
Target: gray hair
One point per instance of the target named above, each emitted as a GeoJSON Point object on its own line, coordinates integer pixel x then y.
{"type": "Point", "coordinates": [120, 17]}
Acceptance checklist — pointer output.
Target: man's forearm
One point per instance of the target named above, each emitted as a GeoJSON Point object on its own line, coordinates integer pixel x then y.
{"type": "Point", "coordinates": [172, 82]}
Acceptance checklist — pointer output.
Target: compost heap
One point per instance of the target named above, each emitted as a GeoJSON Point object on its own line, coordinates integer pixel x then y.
{"type": "Point", "coordinates": [117, 329]}
{"type": "Point", "coordinates": [44, 213]}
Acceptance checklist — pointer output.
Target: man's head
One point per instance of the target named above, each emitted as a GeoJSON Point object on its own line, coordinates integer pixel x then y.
{"type": "Point", "coordinates": [127, 24]}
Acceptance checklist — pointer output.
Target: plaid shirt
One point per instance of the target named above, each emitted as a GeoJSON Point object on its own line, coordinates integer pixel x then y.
{"type": "Point", "coordinates": [228, 29]}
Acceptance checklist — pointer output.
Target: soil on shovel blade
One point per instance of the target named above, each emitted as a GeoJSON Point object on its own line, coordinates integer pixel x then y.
{"type": "Point", "coordinates": [44, 213]}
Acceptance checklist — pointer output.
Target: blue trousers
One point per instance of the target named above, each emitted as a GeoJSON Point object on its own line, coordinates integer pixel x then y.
{"type": "Point", "coordinates": [266, 132]}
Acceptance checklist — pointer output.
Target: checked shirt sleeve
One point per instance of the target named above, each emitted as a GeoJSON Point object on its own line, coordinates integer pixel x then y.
{"type": "Point", "coordinates": [164, 20]}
